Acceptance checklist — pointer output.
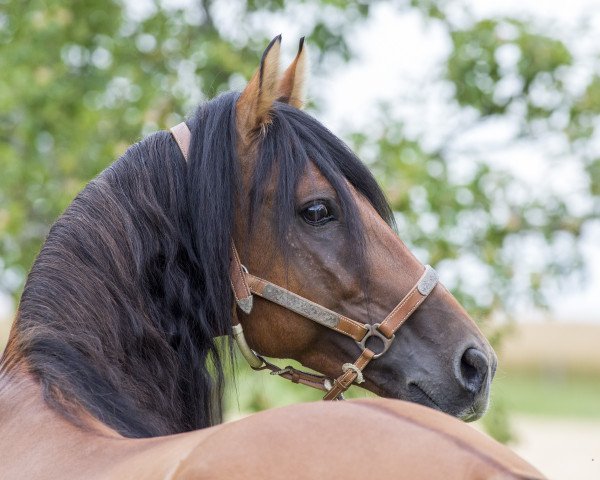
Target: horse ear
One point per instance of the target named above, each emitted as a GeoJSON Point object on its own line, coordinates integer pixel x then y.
{"type": "Point", "coordinates": [254, 105]}
{"type": "Point", "coordinates": [292, 85]}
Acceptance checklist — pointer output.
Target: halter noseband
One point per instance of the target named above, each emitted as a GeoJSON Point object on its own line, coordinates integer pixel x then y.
{"type": "Point", "coordinates": [245, 285]}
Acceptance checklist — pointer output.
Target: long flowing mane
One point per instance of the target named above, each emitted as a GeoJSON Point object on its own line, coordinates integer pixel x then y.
{"type": "Point", "coordinates": [122, 306]}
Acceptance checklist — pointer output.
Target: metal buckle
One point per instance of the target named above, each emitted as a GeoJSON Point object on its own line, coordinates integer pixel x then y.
{"type": "Point", "coordinates": [373, 331]}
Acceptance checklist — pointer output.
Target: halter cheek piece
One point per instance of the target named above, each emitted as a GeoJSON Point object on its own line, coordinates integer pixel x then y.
{"type": "Point", "coordinates": [245, 286]}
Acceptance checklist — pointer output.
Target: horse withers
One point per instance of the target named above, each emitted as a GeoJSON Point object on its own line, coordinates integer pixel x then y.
{"type": "Point", "coordinates": [112, 357]}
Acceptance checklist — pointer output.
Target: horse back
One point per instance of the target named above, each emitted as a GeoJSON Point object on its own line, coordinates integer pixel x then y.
{"type": "Point", "coordinates": [356, 439]}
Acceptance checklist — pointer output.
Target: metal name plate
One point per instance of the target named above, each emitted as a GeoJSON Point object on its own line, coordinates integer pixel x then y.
{"type": "Point", "coordinates": [428, 281]}
{"type": "Point", "coordinates": [301, 306]}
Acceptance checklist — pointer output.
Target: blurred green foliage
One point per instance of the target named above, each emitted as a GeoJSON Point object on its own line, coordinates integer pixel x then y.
{"type": "Point", "coordinates": [83, 80]}
{"type": "Point", "coordinates": [549, 393]}
{"type": "Point", "coordinates": [474, 66]}
{"type": "Point", "coordinates": [80, 81]}
{"type": "Point", "coordinates": [453, 203]}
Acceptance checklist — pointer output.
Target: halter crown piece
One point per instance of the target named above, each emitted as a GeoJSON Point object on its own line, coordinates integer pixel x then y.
{"type": "Point", "coordinates": [245, 285]}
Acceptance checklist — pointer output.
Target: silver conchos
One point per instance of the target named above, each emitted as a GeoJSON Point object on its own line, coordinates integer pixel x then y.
{"type": "Point", "coordinates": [245, 304]}
{"type": "Point", "coordinates": [427, 281]}
{"type": "Point", "coordinates": [301, 306]}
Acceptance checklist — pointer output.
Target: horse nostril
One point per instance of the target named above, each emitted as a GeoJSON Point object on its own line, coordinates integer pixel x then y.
{"type": "Point", "coordinates": [473, 370]}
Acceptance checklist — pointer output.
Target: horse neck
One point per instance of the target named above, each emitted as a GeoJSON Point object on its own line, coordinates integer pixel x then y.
{"type": "Point", "coordinates": [108, 320]}
{"type": "Point", "coordinates": [22, 407]}
{"type": "Point", "coordinates": [37, 442]}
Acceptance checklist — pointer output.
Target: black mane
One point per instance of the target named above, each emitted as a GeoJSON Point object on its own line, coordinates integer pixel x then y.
{"type": "Point", "coordinates": [121, 307]}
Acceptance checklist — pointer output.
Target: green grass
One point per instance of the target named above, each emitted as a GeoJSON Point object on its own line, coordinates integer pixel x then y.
{"type": "Point", "coordinates": [529, 392]}
{"type": "Point", "coordinates": [548, 393]}
{"type": "Point", "coordinates": [533, 392]}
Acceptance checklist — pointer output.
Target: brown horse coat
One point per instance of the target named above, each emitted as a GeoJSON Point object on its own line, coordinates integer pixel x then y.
{"type": "Point", "coordinates": [374, 438]}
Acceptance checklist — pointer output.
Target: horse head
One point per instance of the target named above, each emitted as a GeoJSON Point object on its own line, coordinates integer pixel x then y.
{"type": "Point", "coordinates": [120, 312]}
{"type": "Point", "coordinates": [311, 218]}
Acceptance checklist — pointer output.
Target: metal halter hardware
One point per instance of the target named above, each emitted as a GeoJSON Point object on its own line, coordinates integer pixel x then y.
{"type": "Point", "coordinates": [374, 332]}
{"type": "Point", "coordinates": [360, 332]}
{"type": "Point", "coordinates": [245, 286]}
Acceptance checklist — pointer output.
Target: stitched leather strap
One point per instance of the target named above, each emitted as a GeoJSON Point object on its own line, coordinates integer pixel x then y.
{"type": "Point", "coordinates": [409, 303]}
{"type": "Point", "coordinates": [241, 291]}
{"type": "Point", "coordinates": [314, 380]}
{"type": "Point", "coordinates": [346, 379]}
{"type": "Point", "coordinates": [306, 308]}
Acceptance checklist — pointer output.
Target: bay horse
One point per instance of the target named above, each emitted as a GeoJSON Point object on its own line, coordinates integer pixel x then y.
{"type": "Point", "coordinates": [254, 215]}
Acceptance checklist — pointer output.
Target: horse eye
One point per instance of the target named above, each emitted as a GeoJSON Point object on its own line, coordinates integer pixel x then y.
{"type": "Point", "coordinates": [316, 214]}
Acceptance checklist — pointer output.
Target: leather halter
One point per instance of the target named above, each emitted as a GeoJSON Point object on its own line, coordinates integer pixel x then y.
{"type": "Point", "coordinates": [245, 285]}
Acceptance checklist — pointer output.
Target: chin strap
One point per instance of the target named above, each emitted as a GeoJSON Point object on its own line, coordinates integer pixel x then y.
{"type": "Point", "coordinates": [246, 285]}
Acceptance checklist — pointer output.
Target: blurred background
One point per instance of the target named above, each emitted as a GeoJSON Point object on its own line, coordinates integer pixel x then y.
{"type": "Point", "coordinates": [480, 119]}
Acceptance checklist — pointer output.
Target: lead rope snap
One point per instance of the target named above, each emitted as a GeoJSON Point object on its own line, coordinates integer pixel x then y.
{"type": "Point", "coordinates": [355, 369]}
